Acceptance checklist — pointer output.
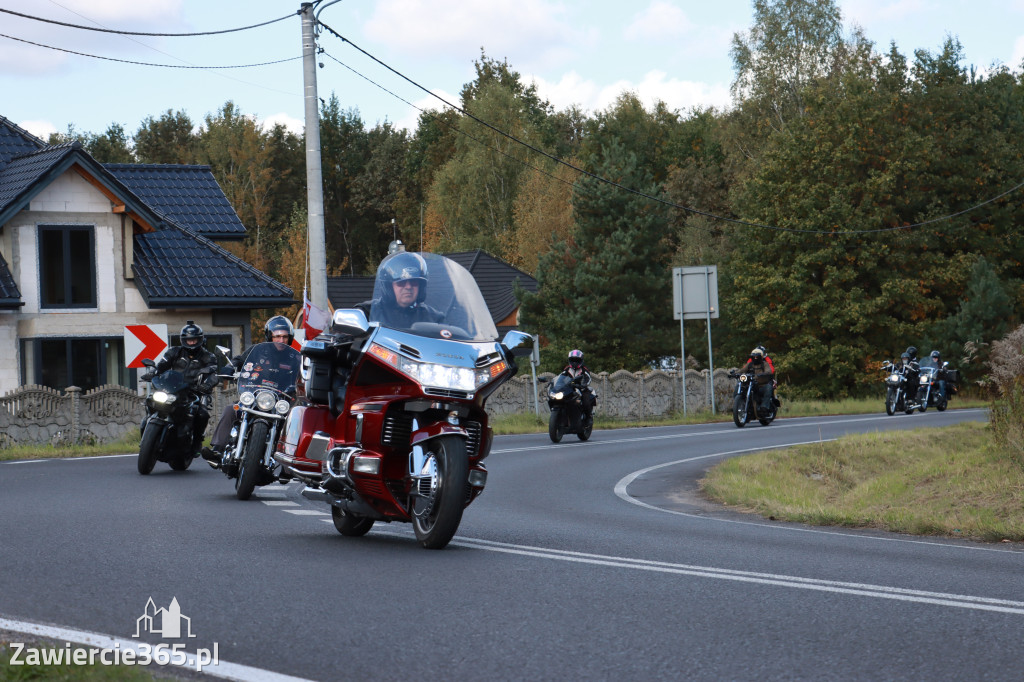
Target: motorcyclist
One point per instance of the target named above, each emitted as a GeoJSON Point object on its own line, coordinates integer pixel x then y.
{"type": "Point", "coordinates": [191, 359]}
{"type": "Point", "coordinates": [278, 330]}
{"type": "Point", "coordinates": [935, 360]}
{"type": "Point", "coordinates": [764, 377]}
{"type": "Point", "coordinates": [912, 372]}
{"type": "Point", "coordinates": [398, 302]}
{"type": "Point", "coordinates": [580, 375]}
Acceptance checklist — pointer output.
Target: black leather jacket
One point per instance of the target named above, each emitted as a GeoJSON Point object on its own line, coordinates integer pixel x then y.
{"type": "Point", "coordinates": [190, 365]}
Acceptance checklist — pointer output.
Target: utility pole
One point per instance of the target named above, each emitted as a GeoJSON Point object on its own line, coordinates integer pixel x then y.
{"type": "Point", "coordinates": [316, 238]}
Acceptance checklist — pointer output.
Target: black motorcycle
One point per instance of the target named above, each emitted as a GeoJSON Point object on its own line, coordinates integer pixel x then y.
{"type": "Point", "coordinates": [899, 395]}
{"type": "Point", "coordinates": [565, 398]}
{"type": "Point", "coordinates": [171, 410]}
{"type": "Point", "coordinates": [745, 406]}
{"type": "Point", "coordinates": [928, 394]}
{"type": "Point", "coordinates": [266, 393]}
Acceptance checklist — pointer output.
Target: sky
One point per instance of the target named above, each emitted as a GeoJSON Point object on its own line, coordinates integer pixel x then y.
{"type": "Point", "coordinates": [577, 52]}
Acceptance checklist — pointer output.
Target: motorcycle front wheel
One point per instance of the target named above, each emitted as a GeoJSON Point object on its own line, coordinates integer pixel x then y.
{"type": "Point", "coordinates": [256, 443]}
{"type": "Point", "coordinates": [586, 428]}
{"type": "Point", "coordinates": [555, 425]}
{"type": "Point", "coordinates": [739, 411]}
{"type": "Point", "coordinates": [350, 526]}
{"type": "Point", "coordinates": [147, 448]}
{"type": "Point", "coordinates": [890, 402]}
{"type": "Point", "coordinates": [436, 514]}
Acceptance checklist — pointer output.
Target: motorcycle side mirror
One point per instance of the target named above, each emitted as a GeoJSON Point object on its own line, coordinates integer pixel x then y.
{"type": "Point", "coordinates": [148, 363]}
{"type": "Point", "coordinates": [350, 321]}
{"type": "Point", "coordinates": [542, 380]}
{"type": "Point", "coordinates": [945, 364]}
{"type": "Point", "coordinates": [226, 352]}
{"type": "Point", "coordinates": [518, 343]}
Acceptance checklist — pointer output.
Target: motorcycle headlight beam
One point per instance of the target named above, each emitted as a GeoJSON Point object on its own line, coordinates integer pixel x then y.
{"type": "Point", "coordinates": [437, 375]}
{"type": "Point", "coordinates": [164, 397]}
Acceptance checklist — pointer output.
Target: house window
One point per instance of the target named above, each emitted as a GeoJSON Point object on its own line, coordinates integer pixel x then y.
{"type": "Point", "coordinates": [83, 362]}
{"type": "Point", "coordinates": [67, 266]}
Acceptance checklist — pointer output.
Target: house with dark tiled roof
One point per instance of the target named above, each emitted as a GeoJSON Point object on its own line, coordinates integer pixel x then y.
{"type": "Point", "coordinates": [495, 277]}
{"type": "Point", "coordinates": [88, 248]}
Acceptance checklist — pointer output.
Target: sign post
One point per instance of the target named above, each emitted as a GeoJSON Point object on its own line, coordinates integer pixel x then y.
{"type": "Point", "coordinates": [695, 297]}
{"type": "Point", "coordinates": [143, 342]}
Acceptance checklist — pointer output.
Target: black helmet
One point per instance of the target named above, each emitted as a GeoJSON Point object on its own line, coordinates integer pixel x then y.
{"type": "Point", "coordinates": [404, 266]}
{"type": "Point", "coordinates": [278, 323]}
{"type": "Point", "coordinates": [576, 359]}
{"type": "Point", "coordinates": [936, 356]}
{"type": "Point", "coordinates": [192, 337]}
{"type": "Point", "coordinates": [912, 352]}
{"type": "Point", "coordinates": [905, 356]}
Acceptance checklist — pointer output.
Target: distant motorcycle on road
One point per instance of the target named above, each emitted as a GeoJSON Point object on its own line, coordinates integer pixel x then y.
{"type": "Point", "coordinates": [745, 405]}
{"type": "Point", "coordinates": [171, 409]}
{"type": "Point", "coordinates": [565, 398]}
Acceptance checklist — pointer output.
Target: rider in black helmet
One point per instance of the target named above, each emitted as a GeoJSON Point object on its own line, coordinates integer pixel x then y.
{"type": "Point", "coordinates": [191, 359]}
{"type": "Point", "coordinates": [401, 291]}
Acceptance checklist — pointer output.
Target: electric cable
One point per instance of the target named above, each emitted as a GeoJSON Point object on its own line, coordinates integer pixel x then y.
{"type": "Point", "coordinates": [706, 214]}
{"type": "Point", "coordinates": [165, 66]}
{"type": "Point", "coordinates": [143, 33]}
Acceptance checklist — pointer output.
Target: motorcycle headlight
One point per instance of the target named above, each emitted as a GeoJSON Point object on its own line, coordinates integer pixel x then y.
{"type": "Point", "coordinates": [437, 375]}
{"type": "Point", "coordinates": [923, 380]}
{"type": "Point", "coordinates": [282, 407]}
{"type": "Point", "coordinates": [164, 397]}
{"type": "Point", "coordinates": [558, 396]}
{"type": "Point", "coordinates": [265, 400]}
{"type": "Point", "coordinates": [894, 378]}
{"type": "Point", "coordinates": [743, 377]}
{"type": "Point", "coordinates": [247, 398]}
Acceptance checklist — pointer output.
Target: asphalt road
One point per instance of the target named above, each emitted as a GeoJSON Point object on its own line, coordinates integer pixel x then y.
{"type": "Point", "coordinates": [580, 561]}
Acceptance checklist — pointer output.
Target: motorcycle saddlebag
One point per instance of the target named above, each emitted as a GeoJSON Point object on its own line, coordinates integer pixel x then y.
{"type": "Point", "coordinates": [953, 376]}
{"type": "Point", "coordinates": [326, 367]}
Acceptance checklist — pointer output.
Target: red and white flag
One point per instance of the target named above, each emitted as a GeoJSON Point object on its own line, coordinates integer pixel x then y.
{"type": "Point", "coordinates": [314, 320]}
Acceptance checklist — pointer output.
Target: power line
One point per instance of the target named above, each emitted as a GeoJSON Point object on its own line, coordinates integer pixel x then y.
{"type": "Point", "coordinates": [688, 209]}
{"type": "Point", "coordinates": [129, 61]}
{"type": "Point", "coordinates": [143, 33]}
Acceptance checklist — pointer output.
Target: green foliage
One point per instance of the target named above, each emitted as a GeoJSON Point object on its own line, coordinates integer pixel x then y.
{"type": "Point", "coordinates": [608, 290]}
{"type": "Point", "coordinates": [168, 139]}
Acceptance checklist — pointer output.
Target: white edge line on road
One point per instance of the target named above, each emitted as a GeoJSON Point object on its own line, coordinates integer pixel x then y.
{"type": "Point", "coordinates": [620, 491]}
{"type": "Point", "coordinates": [223, 670]}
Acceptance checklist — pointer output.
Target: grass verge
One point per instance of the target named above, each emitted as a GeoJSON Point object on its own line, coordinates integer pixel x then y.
{"type": "Point", "coordinates": [65, 673]}
{"type": "Point", "coordinates": [954, 482]}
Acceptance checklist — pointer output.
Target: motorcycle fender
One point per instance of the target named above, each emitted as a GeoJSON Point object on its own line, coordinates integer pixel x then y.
{"type": "Point", "coordinates": [304, 422]}
{"type": "Point", "coordinates": [434, 430]}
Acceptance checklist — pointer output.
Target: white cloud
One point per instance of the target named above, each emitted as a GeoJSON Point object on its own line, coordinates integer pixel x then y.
{"type": "Point", "coordinates": [528, 32]}
{"type": "Point", "coordinates": [410, 121]}
{"type": "Point", "coordinates": [655, 85]}
{"type": "Point", "coordinates": [293, 124]}
{"type": "Point", "coordinates": [41, 129]}
{"type": "Point", "coordinates": [660, 21]}
{"type": "Point", "coordinates": [1018, 54]}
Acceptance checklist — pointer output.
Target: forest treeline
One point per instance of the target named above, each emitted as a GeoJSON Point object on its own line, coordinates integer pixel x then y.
{"type": "Point", "coordinates": [856, 200]}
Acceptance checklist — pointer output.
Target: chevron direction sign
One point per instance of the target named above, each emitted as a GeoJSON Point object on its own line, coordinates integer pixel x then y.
{"type": "Point", "coordinates": [144, 342]}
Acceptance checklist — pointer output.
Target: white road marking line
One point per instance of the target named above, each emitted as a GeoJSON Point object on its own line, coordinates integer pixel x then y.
{"type": "Point", "coordinates": [224, 669]}
{"type": "Point", "coordinates": [280, 503]}
{"type": "Point", "coordinates": [839, 587]}
{"type": "Point", "coordinates": [305, 512]}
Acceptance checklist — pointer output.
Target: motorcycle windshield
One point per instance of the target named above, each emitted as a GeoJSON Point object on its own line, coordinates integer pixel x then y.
{"type": "Point", "coordinates": [561, 384]}
{"type": "Point", "coordinates": [428, 295]}
{"type": "Point", "coordinates": [170, 381]}
{"type": "Point", "coordinates": [269, 365]}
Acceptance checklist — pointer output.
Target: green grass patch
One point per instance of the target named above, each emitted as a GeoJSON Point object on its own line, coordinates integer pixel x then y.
{"type": "Point", "coordinates": [953, 481]}
{"type": "Point", "coordinates": [128, 443]}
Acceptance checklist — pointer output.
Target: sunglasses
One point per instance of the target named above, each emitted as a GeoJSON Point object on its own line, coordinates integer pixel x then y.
{"type": "Point", "coordinates": [406, 283]}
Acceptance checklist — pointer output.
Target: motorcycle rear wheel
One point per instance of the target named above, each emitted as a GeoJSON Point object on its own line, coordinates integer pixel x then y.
{"type": "Point", "coordinates": [147, 449]}
{"type": "Point", "coordinates": [350, 526]}
{"type": "Point", "coordinates": [436, 517]}
{"type": "Point", "coordinates": [555, 425]}
{"type": "Point", "coordinates": [739, 411]}
{"type": "Point", "coordinates": [941, 405]}
{"type": "Point", "coordinates": [249, 469]}
{"type": "Point", "coordinates": [765, 421]}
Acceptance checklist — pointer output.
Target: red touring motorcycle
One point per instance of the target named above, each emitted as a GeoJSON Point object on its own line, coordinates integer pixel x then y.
{"type": "Point", "coordinates": [397, 429]}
